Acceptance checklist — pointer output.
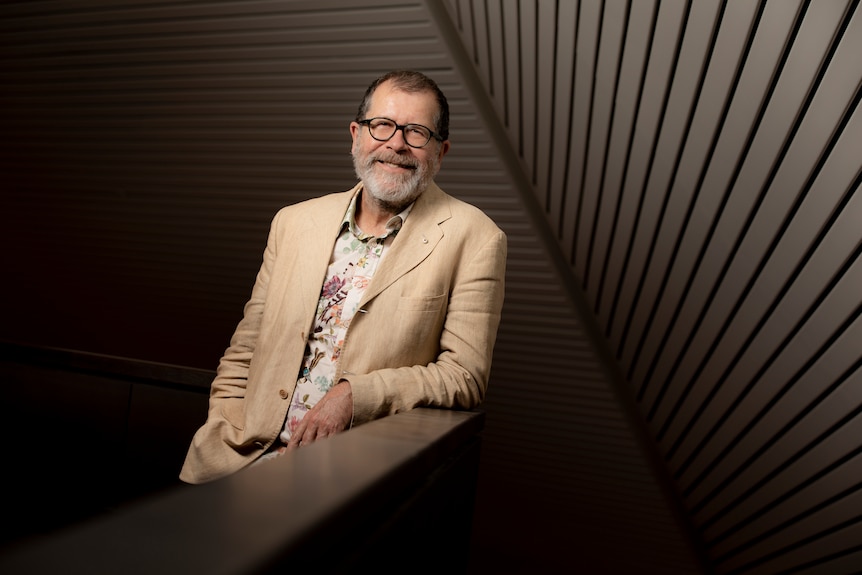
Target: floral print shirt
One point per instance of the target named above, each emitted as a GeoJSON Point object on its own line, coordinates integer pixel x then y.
{"type": "Point", "coordinates": [354, 260]}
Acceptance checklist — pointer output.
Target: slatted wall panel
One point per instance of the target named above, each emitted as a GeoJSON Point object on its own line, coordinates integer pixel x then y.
{"type": "Point", "coordinates": [154, 141]}
{"type": "Point", "coordinates": [698, 163]}
{"type": "Point", "coordinates": [145, 147]}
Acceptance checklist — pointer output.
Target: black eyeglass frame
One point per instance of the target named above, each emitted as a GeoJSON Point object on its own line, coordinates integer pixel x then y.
{"type": "Point", "coordinates": [367, 122]}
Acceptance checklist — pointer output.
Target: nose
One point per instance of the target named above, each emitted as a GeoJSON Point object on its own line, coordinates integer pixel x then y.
{"type": "Point", "coordinates": [398, 141]}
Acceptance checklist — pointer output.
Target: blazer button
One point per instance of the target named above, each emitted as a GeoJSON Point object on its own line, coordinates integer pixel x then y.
{"type": "Point", "coordinates": [282, 393]}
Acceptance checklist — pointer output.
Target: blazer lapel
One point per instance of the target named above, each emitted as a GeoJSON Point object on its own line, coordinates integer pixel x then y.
{"type": "Point", "coordinates": [415, 241]}
{"type": "Point", "coordinates": [316, 239]}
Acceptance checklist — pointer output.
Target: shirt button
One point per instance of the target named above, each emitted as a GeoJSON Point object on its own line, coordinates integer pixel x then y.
{"type": "Point", "coordinates": [282, 393]}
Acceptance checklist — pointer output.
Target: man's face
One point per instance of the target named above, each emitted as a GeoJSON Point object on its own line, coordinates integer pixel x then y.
{"type": "Point", "coordinates": [394, 173]}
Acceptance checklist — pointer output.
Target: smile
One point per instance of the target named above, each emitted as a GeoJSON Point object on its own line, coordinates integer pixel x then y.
{"type": "Point", "coordinates": [395, 165]}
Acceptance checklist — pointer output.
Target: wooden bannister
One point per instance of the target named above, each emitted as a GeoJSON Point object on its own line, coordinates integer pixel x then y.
{"type": "Point", "coordinates": [393, 494]}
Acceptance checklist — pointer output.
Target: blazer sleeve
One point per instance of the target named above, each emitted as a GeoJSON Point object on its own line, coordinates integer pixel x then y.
{"type": "Point", "coordinates": [217, 446]}
{"type": "Point", "coordinates": [458, 376]}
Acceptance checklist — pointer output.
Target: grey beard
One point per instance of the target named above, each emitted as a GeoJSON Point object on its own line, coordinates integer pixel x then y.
{"type": "Point", "coordinates": [394, 193]}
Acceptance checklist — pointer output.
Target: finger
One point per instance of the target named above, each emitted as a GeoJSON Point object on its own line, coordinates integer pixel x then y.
{"type": "Point", "coordinates": [309, 433]}
{"type": "Point", "coordinates": [297, 434]}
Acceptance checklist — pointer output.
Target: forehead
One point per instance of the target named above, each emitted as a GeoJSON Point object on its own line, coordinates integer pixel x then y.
{"type": "Point", "coordinates": [404, 107]}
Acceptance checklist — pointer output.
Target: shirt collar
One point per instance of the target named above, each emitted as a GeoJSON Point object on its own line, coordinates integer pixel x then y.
{"type": "Point", "coordinates": [392, 226]}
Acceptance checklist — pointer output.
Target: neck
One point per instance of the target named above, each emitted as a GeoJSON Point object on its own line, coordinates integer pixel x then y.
{"type": "Point", "coordinates": [372, 215]}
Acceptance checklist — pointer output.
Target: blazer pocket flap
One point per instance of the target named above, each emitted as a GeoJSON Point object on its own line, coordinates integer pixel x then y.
{"type": "Point", "coordinates": [429, 303]}
{"type": "Point", "coordinates": [233, 411]}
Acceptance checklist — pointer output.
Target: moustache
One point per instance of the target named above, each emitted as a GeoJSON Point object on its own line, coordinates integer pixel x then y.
{"type": "Point", "coordinates": [393, 159]}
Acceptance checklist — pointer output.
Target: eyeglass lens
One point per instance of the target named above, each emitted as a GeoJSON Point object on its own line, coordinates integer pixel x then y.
{"type": "Point", "coordinates": [382, 129]}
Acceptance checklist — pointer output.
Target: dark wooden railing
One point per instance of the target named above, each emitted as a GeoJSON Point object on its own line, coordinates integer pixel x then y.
{"type": "Point", "coordinates": [393, 494]}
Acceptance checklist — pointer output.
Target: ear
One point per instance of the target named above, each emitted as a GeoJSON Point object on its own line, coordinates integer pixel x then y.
{"type": "Point", "coordinates": [444, 148]}
{"type": "Point", "coordinates": [354, 134]}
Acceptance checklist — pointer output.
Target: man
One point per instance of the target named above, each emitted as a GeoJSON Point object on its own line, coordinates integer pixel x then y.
{"type": "Point", "coordinates": [368, 302]}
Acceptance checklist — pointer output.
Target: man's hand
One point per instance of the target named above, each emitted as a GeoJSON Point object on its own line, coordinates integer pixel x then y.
{"type": "Point", "coordinates": [329, 416]}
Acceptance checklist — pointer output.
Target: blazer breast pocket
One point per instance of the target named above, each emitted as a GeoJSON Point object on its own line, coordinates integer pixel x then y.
{"type": "Point", "coordinates": [429, 303]}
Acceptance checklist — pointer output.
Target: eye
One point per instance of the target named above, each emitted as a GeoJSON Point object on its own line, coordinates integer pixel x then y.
{"type": "Point", "coordinates": [418, 130]}
{"type": "Point", "coordinates": [382, 123]}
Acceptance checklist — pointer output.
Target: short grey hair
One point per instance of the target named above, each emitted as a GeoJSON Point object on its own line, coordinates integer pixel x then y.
{"type": "Point", "coordinates": [410, 81]}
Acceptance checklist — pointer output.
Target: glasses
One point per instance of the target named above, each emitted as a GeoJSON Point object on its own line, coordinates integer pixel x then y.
{"type": "Point", "coordinates": [416, 135]}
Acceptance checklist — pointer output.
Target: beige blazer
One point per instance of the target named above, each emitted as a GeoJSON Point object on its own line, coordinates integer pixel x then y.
{"type": "Point", "coordinates": [424, 337]}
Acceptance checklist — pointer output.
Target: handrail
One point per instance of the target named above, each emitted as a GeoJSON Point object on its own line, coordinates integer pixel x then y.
{"type": "Point", "coordinates": [334, 492]}
{"type": "Point", "coordinates": [163, 374]}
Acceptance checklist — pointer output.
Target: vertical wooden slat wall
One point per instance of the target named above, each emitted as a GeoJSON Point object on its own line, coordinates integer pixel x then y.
{"type": "Point", "coordinates": [710, 217]}
{"type": "Point", "coordinates": [678, 180]}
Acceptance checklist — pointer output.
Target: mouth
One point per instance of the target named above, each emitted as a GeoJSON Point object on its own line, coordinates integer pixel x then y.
{"type": "Point", "coordinates": [396, 165]}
